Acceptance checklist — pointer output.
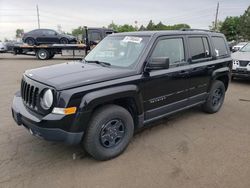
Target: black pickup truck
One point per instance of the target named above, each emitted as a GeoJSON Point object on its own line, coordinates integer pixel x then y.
{"type": "Point", "coordinates": [127, 81]}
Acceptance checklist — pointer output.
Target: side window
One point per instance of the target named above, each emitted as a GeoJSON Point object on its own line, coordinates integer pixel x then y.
{"type": "Point", "coordinates": [50, 32]}
{"type": "Point", "coordinates": [199, 48]}
{"type": "Point", "coordinates": [44, 32]}
{"type": "Point", "coordinates": [220, 46]}
{"type": "Point", "coordinates": [95, 36]}
{"type": "Point", "coordinates": [171, 48]}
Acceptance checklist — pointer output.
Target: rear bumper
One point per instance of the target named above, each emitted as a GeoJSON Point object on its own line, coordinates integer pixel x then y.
{"type": "Point", "coordinates": [36, 125]}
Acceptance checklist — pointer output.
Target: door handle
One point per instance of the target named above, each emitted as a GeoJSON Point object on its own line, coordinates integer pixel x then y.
{"type": "Point", "coordinates": [211, 67]}
{"type": "Point", "coordinates": [183, 72]}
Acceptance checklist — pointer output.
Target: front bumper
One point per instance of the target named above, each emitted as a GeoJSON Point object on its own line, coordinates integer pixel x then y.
{"type": "Point", "coordinates": [242, 74]}
{"type": "Point", "coordinates": [36, 125]}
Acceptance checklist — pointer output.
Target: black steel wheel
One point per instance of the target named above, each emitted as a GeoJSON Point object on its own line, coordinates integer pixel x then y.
{"type": "Point", "coordinates": [215, 98]}
{"type": "Point", "coordinates": [109, 132]}
{"type": "Point", "coordinates": [112, 133]}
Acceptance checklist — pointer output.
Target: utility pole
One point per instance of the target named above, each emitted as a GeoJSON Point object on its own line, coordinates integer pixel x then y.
{"type": "Point", "coordinates": [216, 16]}
{"type": "Point", "coordinates": [38, 17]}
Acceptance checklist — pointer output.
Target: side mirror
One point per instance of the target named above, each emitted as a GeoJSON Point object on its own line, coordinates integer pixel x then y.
{"type": "Point", "coordinates": [158, 63]}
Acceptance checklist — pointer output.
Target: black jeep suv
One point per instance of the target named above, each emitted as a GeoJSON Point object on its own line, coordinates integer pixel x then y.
{"type": "Point", "coordinates": [127, 81]}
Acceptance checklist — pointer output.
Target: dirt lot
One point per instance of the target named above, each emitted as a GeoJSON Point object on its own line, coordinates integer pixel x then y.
{"type": "Point", "coordinates": [190, 149]}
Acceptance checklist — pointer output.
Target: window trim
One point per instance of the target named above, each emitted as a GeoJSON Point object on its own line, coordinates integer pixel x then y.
{"type": "Point", "coordinates": [185, 62]}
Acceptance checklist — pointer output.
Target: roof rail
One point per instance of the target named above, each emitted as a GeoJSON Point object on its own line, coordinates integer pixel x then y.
{"type": "Point", "coordinates": [205, 30]}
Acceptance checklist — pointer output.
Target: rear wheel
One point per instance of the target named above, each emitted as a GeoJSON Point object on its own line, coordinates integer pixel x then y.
{"type": "Point", "coordinates": [215, 98]}
{"type": "Point", "coordinates": [109, 132]}
{"type": "Point", "coordinates": [30, 41]}
{"type": "Point", "coordinates": [42, 54]}
{"type": "Point", "coordinates": [64, 41]}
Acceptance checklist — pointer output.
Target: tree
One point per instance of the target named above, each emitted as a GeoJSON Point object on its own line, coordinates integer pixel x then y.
{"type": "Point", "coordinates": [180, 26]}
{"type": "Point", "coordinates": [245, 24]}
{"type": "Point", "coordinates": [160, 26]}
{"type": "Point", "coordinates": [122, 28]}
{"type": "Point", "coordinates": [142, 28]}
{"type": "Point", "coordinates": [19, 33]}
{"type": "Point", "coordinates": [78, 31]}
{"type": "Point", "coordinates": [231, 28]}
{"type": "Point", "coordinates": [150, 26]}
{"type": "Point", "coordinates": [126, 28]}
{"type": "Point", "coordinates": [113, 26]}
{"type": "Point", "coordinates": [212, 27]}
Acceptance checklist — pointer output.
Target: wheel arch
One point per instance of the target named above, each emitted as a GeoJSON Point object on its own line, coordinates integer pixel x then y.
{"type": "Point", "coordinates": [126, 96]}
{"type": "Point", "coordinates": [223, 75]}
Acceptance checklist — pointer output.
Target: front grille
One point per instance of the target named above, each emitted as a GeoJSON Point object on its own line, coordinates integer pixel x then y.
{"type": "Point", "coordinates": [29, 94]}
{"type": "Point", "coordinates": [244, 63]}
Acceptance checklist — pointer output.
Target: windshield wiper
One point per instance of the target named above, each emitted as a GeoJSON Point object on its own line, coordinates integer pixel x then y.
{"type": "Point", "coordinates": [99, 63]}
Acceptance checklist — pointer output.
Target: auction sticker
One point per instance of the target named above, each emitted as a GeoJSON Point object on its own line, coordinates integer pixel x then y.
{"type": "Point", "coordinates": [132, 39]}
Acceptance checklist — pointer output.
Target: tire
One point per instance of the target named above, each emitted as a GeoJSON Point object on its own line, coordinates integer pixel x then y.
{"type": "Point", "coordinates": [64, 41]}
{"type": "Point", "coordinates": [215, 98]}
{"type": "Point", "coordinates": [30, 41]}
{"type": "Point", "coordinates": [100, 140]}
{"type": "Point", "coordinates": [51, 55]}
{"type": "Point", "coordinates": [42, 54]}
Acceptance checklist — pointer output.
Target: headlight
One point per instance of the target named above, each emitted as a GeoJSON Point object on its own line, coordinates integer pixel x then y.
{"type": "Point", "coordinates": [47, 99]}
{"type": "Point", "coordinates": [236, 61]}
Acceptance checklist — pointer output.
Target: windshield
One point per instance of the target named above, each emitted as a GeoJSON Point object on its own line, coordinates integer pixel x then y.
{"type": "Point", "coordinates": [246, 48]}
{"type": "Point", "coordinates": [120, 51]}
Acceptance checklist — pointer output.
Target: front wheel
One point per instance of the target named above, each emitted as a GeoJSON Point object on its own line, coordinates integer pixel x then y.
{"type": "Point", "coordinates": [109, 132]}
{"type": "Point", "coordinates": [215, 98]}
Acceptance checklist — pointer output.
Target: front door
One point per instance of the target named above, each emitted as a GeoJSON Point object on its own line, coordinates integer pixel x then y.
{"type": "Point", "coordinates": [165, 91]}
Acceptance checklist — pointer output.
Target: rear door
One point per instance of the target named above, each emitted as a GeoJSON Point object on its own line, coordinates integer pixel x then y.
{"type": "Point", "coordinates": [50, 36]}
{"type": "Point", "coordinates": [39, 34]}
{"type": "Point", "coordinates": [201, 67]}
{"type": "Point", "coordinates": [166, 90]}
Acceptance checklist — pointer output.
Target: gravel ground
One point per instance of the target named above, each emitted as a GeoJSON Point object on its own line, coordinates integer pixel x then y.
{"type": "Point", "coordinates": [190, 149]}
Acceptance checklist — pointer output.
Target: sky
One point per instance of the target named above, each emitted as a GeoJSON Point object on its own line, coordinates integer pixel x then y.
{"type": "Point", "coordinates": [93, 13]}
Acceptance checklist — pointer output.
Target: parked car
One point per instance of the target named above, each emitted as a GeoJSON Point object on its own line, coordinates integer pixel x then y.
{"type": "Point", "coordinates": [3, 47]}
{"type": "Point", "coordinates": [238, 46]}
{"type": "Point", "coordinates": [241, 62]}
{"type": "Point", "coordinates": [127, 81]}
{"type": "Point", "coordinates": [47, 36]}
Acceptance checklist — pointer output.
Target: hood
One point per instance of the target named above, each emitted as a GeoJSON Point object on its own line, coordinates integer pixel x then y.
{"type": "Point", "coordinates": [74, 74]}
{"type": "Point", "coordinates": [243, 56]}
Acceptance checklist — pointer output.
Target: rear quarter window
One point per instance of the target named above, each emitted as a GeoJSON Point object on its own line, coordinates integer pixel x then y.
{"type": "Point", "coordinates": [220, 46]}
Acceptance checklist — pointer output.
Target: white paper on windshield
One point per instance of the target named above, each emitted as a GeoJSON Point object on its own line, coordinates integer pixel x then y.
{"type": "Point", "coordinates": [132, 39]}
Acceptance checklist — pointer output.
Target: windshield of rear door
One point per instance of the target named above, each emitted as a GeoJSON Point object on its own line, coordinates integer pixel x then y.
{"type": "Point", "coordinates": [119, 51]}
{"type": "Point", "coordinates": [246, 48]}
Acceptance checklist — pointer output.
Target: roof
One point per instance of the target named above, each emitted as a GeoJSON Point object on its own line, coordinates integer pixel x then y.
{"type": "Point", "coordinates": [169, 32]}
